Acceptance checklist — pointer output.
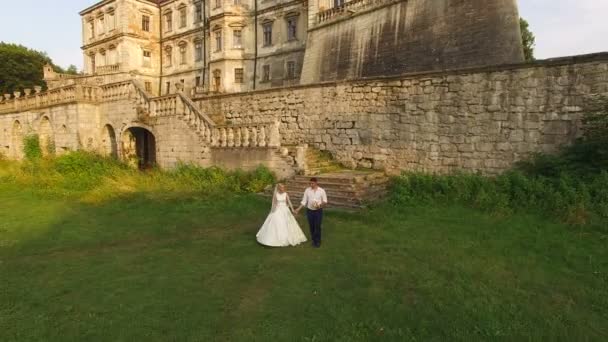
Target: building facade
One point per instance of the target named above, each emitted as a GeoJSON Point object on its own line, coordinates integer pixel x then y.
{"type": "Point", "coordinates": [216, 46]}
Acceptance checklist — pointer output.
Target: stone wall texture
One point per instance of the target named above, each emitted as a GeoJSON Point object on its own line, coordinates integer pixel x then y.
{"type": "Point", "coordinates": [476, 119]}
{"type": "Point", "coordinates": [471, 119]}
{"type": "Point", "coordinates": [412, 36]}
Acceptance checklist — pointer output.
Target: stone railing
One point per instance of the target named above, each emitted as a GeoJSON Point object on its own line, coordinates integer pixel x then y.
{"type": "Point", "coordinates": [62, 95]}
{"type": "Point", "coordinates": [349, 7]}
{"type": "Point", "coordinates": [107, 69]}
{"type": "Point", "coordinates": [248, 135]}
{"type": "Point", "coordinates": [180, 105]}
{"type": "Point", "coordinates": [117, 91]}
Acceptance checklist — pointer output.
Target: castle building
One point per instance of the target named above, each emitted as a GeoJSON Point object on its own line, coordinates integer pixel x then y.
{"type": "Point", "coordinates": [214, 46]}
{"type": "Point", "coordinates": [427, 85]}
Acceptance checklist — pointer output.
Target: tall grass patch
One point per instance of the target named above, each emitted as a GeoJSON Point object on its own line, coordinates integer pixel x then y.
{"type": "Point", "coordinates": [98, 177]}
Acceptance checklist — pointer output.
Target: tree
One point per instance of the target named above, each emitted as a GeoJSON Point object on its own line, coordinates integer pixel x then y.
{"type": "Point", "coordinates": [21, 67]}
{"type": "Point", "coordinates": [72, 70]}
{"type": "Point", "coordinates": [528, 40]}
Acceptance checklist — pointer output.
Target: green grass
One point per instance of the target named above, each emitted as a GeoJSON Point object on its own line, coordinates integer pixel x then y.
{"type": "Point", "coordinates": [183, 266]}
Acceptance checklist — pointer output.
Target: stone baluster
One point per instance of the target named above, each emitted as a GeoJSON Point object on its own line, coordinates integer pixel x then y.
{"type": "Point", "coordinates": [262, 137]}
{"type": "Point", "coordinates": [275, 135]}
{"type": "Point", "coordinates": [215, 137]}
{"type": "Point", "coordinates": [237, 137]}
{"type": "Point", "coordinates": [254, 137]}
{"type": "Point", "coordinates": [230, 137]}
{"type": "Point", "coordinates": [223, 141]}
{"type": "Point", "coordinates": [245, 135]}
{"type": "Point", "coordinates": [17, 94]}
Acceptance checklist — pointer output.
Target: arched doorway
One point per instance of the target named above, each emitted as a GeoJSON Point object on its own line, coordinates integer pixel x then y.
{"type": "Point", "coordinates": [139, 147]}
{"type": "Point", "coordinates": [45, 134]}
{"type": "Point", "coordinates": [109, 146]}
{"type": "Point", "coordinates": [16, 140]}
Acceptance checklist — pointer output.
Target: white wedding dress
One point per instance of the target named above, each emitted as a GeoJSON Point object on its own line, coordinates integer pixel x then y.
{"type": "Point", "coordinates": [281, 228]}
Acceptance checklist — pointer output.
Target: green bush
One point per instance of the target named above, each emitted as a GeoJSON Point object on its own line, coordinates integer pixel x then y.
{"type": "Point", "coordinates": [31, 147]}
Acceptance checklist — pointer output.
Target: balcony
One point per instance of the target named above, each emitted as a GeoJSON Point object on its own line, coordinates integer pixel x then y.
{"type": "Point", "coordinates": [342, 9]}
{"type": "Point", "coordinates": [107, 69]}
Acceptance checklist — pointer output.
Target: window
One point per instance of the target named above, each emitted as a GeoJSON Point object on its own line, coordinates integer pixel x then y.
{"type": "Point", "coordinates": [168, 21]}
{"type": "Point", "coordinates": [265, 73]}
{"type": "Point", "coordinates": [182, 54]}
{"type": "Point", "coordinates": [218, 3]}
{"type": "Point", "coordinates": [93, 66]}
{"type": "Point", "coordinates": [217, 80]}
{"type": "Point", "coordinates": [102, 59]}
{"type": "Point", "coordinates": [145, 23]}
{"type": "Point", "coordinates": [183, 17]}
{"type": "Point", "coordinates": [111, 21]}
{"type": "Point", "coordinates": [91, 29]}
{"type": "Point", "coordinates": [218, 40]}
{"type": "Point", "coordinates": [267, 34]}
{"type": "Point", "coordinates": [292, 28]}
{"type": "Point", "coordinates": [167, 87]}
{"type": "Point", "coordinates": [291, 70]}
{"type": "Point", "coordinates": [338, 3]}
{"type": "Point", "coordinates": [237, 42]}
{"type": "Point", "coordinates": [112, 58]}
{"type": "Point", "coordinates": [101, 25]}
{"type": "Point", "coordinates": [147, 58]}
{"type": "Point", "coordinates": [197, 81]}
{"type": "Point", "coordinates": [148, 86]}
{"type": "Point", "coordinates": [169, 56]}
{"type": "Point", "coordinates": [238, 75]}
{"type": "Point", "coordinates": [198, 12]}
{"type": "Point", "coordinates": [198, 50]}
{"type": "Point", "coordinates": [237, 2]}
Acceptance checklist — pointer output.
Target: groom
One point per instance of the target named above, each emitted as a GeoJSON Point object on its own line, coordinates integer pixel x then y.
{"type": "Point", "coordinates": [314, 199]}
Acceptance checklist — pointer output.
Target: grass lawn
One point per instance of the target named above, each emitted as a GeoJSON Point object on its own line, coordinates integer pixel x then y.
{"type": "Point", "coordinates": [146, 267]}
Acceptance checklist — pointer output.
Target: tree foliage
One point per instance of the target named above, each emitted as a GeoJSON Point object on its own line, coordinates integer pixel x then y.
{"type": "Point", "coordinates": [21, 67]}
{"type": "Point", "coordinates": [528, 39]}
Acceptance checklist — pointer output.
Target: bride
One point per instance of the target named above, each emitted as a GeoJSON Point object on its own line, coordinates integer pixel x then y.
{"type": "Point", "coordinates": [281, 228]}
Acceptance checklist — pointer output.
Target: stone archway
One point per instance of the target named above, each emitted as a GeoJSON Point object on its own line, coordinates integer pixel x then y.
{"type": "Point", "coordinates": [16, 147]}
{"type": "Point", "coordinates": [46, 136]}
{"type": "Point", "coordinates": [139, 147]}
{"type": "Point", "coordinates": [109, 146]}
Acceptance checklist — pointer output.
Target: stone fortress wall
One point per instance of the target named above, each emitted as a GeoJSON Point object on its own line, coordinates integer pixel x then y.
{"type": "Point", "coordinates": [475, 120]}
{"type": "Point", "coordinates": [370, 38]}
{"type": "Point", "coordinates": [471, 119]}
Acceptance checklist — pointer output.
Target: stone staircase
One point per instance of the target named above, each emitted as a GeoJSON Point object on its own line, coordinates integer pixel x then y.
{"type": "Point", "coordinates": [345, 189]}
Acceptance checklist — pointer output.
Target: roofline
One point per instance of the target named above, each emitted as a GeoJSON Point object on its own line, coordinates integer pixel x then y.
{"type": "Point", "coordinates": [105, 2]}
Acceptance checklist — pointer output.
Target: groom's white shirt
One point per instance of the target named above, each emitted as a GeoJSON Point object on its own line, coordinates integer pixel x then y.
{"type": "Point", "coordinates": [311, 196]}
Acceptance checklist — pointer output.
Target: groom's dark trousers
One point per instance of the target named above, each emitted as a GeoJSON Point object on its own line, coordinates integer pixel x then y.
{"type": "Point", "coordinates": [315, 217]}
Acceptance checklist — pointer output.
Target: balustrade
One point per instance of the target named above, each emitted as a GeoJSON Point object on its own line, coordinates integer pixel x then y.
{"type": "Point", "coordinates": [348, 7]}
{"type": "Point", "coordinates": [252, 135]}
